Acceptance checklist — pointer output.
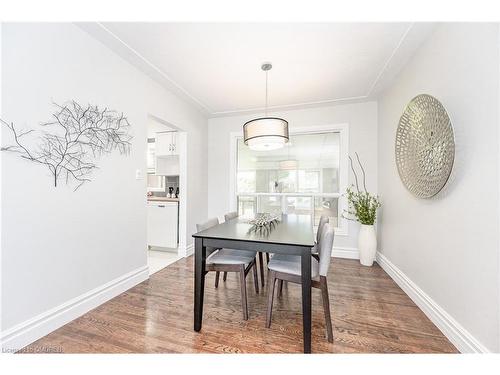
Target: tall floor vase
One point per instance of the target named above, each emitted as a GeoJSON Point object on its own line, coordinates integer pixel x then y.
{"type": "Point", "coordinates": [367, 244]}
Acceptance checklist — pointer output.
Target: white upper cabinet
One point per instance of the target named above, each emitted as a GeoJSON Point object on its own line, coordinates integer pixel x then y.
{"type": "Point", "coordinates": [166, 144]}
{"type": "Point", "coordinates": [174, 144]}
{"type": "Point", "coordinates": [166, 154]}
{"type": "Point", "coordinates": [167, 166]}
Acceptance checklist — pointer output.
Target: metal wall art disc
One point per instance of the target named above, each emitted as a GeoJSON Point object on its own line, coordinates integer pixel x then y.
{"type": "Point", "coordinates": [425, 146]}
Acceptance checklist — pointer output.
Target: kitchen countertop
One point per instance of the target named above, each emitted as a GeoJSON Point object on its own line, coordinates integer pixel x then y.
{"type": "Point", "coordinates": [162, 199]}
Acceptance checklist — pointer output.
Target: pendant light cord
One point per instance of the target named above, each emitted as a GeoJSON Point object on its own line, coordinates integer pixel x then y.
{"type": "Point", "coordinates": [266, 95]}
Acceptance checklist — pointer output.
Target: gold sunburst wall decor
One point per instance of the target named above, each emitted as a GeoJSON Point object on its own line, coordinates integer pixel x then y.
{"type": "Point", "coordinates": [425, 146]}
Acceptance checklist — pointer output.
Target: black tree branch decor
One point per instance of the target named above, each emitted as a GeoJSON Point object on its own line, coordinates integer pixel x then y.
{"type": "Point", "coordinates": [69, 145]}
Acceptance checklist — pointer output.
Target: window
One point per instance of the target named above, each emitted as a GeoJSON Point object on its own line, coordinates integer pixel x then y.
{"type": "Point", "coordinates": [307, 176]}
{"type": "Point", "coordinates": [246, 181]}
{"type": "Point", "coordinates": [309, 181]}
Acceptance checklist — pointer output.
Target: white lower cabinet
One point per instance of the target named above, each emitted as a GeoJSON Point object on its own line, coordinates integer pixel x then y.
{"type": "Point", "coordinates": [162, 224]}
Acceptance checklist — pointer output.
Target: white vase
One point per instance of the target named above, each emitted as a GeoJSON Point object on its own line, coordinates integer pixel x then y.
{"type": "Point", "coordinates": [367, 244]}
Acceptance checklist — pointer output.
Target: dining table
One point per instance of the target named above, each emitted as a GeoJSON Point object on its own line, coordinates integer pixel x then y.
{"type": "Point", "coordinates": [293, 234]}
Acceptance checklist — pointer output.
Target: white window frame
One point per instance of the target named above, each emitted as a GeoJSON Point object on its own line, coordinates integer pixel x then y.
{"type": "Point", "coordinates": [342, 129]}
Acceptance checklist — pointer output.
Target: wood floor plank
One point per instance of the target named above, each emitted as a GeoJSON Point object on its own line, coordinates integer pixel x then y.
{"type": "Point", "coordinates": [370, 314]}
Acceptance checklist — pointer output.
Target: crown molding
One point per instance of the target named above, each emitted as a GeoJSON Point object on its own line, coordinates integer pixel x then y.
{"type": "Point", "coordinates": [153, 66]}
{"type": "Point", "coordinates": [115, 43]}
{"type": "Point", "coordinates": [319, 103]}
{"type": "Point", "coordinates": [134, 57]}
{"type": "Point", "coordinates": [391, 57]}
{"type": "Point", "coordinates": [411, 40]}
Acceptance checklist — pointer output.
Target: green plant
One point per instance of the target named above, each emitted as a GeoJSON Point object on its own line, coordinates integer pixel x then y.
{"type": "Point", "coordinates": [362, 204]}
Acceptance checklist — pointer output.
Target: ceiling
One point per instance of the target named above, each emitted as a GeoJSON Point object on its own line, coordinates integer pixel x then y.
{"type": "Point", "coordinates": [216, 66]}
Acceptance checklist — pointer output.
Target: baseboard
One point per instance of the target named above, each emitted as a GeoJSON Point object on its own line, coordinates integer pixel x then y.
{"type": "Point", "coordinates": [186, 251]}
{"type": "Point", "coordinates": [458, 335]}
{"type": "Point", "coordinates": [181, 250]}
{"type": "Point", "coordinates": [345, 252]}
{"type": "Point", "coordinates": [189, 249]}
{"type": "Point", "coordinates": [31, 330]}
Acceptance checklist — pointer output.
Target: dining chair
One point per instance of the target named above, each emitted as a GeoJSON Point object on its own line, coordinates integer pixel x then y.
{"type": "Point", "coordinates": [228, 260]}
{"type": "Point", "coordinates": [233, 215]}
{"type": "Point", "coordinates": [322, 221]}
{"type": "Point", "coordinates": [228, 216]}
{"type": "Point", "coordinates": [314, 250]}
{"type": "Point", "coordinates": [288, 268]}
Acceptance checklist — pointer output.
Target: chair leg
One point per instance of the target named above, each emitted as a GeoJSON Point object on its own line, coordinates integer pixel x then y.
{"type": "Point", "coordinates": [280, 288]}
{"type": "Point", "coordinates": [224, 277]}
{"type": "Point", "coordinates": [261, 261]}
{"type": "Point", "coordinates": [271, 280]}
{"type": "Point", "coordinates": [326, 307]}
{"type": "Point", "coordinates": [217, 274]}
{"type": "Point", "coordinates": [244, 302]}
{"type": "Point", "coordinates": [255, 277]}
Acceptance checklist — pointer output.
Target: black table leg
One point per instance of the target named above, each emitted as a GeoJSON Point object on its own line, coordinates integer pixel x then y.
{"type": "Point", "coordinates": [200, 253]}
{"type": "Point", "coordinates": [261, 261]}
{"type": "Point", "coordinates": [306, 299]}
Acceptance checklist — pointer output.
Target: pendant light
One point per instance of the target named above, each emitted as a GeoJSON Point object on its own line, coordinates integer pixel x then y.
{"type": "Point", "coordinates": [288, 164]}
{"type": "Point", "coordinates": [265, 133]}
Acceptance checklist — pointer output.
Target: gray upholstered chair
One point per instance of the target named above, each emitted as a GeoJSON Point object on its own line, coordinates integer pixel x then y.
{"type": "Point", "coordinates": [227, 260]}
{"type": "Point", "coordinates": [314, 250]}
{"type": "Point", "coordinates": [322, 221]}
{"type": "Point", "coordinates": [288, 267]}
{"type": "Point", "coordinates": [234, 215]}
{"type": "Point", "coordinates": [230, 215]}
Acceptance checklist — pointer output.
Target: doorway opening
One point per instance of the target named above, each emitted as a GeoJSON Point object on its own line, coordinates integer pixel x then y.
{"type": "Point", "coordinates": [165, 191]}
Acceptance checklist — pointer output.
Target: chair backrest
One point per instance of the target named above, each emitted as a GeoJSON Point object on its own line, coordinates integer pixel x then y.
{"type": "Point", "coordinates": [322, 221]}
{"type": "Point", "coordinates": [325, 248]}
{"type": "Point", "coordinates": [230, 215]}
{"type": "Point", "coordinates": [208, 224]}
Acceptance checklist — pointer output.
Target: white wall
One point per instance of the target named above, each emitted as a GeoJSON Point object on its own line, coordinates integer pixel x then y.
{"type": "Point", "coordinates": [448, 245]}
{"type": "Point", "coordinates": [58, 244]}
{"type": "Point", "coordinates": [362, 120]}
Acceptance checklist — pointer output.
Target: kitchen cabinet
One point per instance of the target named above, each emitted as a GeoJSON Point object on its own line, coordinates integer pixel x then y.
{"type": "Point", "coordinates": [165, 154]}
{"type": "Point", "coordinates": [166, 144]}
{"type": "Point", "coordinates": [162, 224]}
{"type": "Point", "coordinates": [168, 166]}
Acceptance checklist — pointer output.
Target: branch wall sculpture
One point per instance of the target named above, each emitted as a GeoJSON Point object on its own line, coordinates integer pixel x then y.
{"type": "Point", "coordinates": [69, 145]}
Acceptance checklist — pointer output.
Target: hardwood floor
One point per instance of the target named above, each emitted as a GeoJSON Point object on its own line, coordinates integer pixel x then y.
{"type": "Point", "coordinates": [370, 314]}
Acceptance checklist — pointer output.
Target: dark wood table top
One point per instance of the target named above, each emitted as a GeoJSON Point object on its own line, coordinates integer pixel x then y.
{"type": "Point", "coordinates": [291, 230]}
